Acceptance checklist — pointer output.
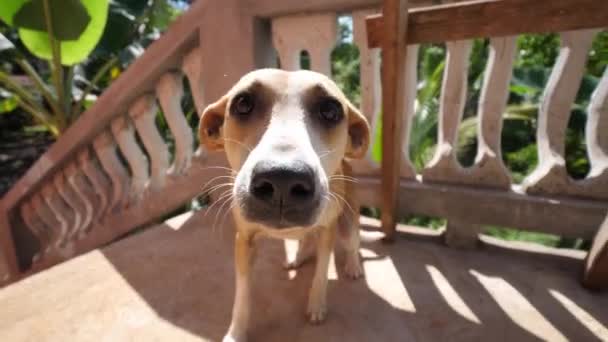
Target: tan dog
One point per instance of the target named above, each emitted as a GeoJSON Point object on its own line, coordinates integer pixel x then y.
{"type": "Point", "coordinates": [286, 136]}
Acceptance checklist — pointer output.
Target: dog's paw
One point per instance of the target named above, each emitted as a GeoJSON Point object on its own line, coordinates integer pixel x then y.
{"type": "Point", "coordinates": [317, 316]}
{"type": "Point", "coordinates": [294, 264]}
{"type": "Point", "coordinates": [353, 268]}
{"type": "Point", "coordinates": [317, 311]}
{"type": "Point", "coordinates": [291, 265]}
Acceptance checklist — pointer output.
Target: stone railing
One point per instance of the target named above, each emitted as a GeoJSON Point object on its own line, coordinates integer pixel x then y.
{"type": "Point", "coordinates": [484, 193]}
{"type": "Point", "coordinates": [98, 182]}
{"type": "Point", "coordinates": [112, 170]}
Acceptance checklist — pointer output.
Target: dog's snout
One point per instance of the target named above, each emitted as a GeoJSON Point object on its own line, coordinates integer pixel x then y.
{"type": "Point", "coordinates": [284, 185]}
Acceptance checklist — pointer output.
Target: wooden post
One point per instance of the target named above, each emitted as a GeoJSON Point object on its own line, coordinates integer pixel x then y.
{"type": "Point", "coordinates": [8, 257]}
{"type": "Point", "coordinates": [394, 50]}
{"type": "Point", "coordinates": [596, 265]}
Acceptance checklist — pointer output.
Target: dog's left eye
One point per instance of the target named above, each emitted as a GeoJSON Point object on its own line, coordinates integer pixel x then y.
{"type": "Point", "coordinates": [330, 110]}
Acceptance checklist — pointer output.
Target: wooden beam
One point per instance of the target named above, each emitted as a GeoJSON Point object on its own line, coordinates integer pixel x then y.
{"type": "Point", "coordinates": [596, 265]}
{"type": "Point", "coordinates": [394, 51]}
{"type": "Point", "coordinates": [494, 18]}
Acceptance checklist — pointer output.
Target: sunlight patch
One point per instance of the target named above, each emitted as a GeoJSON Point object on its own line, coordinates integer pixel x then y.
{"type": "Point", "coordinates": [597, 328]}
{"type": "Point", "coordinates": [384, 280]}
{"type": "Point", "coordinates": [450, 295]}
{"type": "Point", "coordinates": [518, 308]}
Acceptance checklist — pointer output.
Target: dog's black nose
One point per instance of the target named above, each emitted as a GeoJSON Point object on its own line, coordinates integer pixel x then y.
{"type": "Point", "coordinates": [285, 185]}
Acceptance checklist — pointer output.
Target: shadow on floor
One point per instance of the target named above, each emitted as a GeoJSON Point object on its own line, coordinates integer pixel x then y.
{"type": "Point", "coordinates": [414, 290]}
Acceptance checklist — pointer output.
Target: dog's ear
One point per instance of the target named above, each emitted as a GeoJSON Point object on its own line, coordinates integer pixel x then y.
{"type": "Point", "coordinates": [358, 133]}
{"type": "Point", "coordinates": [211, 124]}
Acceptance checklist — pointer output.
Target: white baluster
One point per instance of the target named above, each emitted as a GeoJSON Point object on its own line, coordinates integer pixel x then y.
{"type": "Point", "coordinates": [60, 210]}
{"type": "Point", "coordinates": [292, 34]}
{"type": "Point", "coordinates": [597, 129]}
{"type": "Point", "coordinates": [411, 81]}
{"type": "Point", "coordinates": [34, 224]}
{"type": "Point", "coordinates": [125, 137]}
{"type": "Point", "coordinates": [75, 207]}
{"type": "Point", "coordinates": [551, 176]}
{"type": "Point", "coordinates": [371, 91]}
{"type": "Point", "coordinates": [488, 168]}
{"type": "Point", "coordinates": [100, 182]}
{"type": "Point", "coordinates": [51, 223]}
{"type": "Point", "coordinates": [143, 112]}
{"type": "Point", "coordinates": [105, 148]}
{"type": "Point", "coordinates": [444, 166]}
{"type": "Point", "coordinates": [81, 187]}
{"type": "Point", "coordinates": [191, 66]}
{"type": "Point", "coordinates": [595, 185]}
{"type": "Point", "coordinates": [169, 91]}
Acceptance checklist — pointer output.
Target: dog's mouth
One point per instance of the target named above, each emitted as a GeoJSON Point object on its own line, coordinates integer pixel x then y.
{"type": "Point", "coordinates": [280, 195]}
{"type": "Point", "coordinates": [281, 218]}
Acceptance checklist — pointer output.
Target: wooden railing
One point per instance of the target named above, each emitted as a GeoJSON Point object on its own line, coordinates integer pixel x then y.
{"type": "Point", "coordinates": [98, 182]}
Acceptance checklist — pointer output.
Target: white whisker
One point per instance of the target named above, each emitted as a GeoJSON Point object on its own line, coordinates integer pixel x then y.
{"type": "Point", "coordinates": [326, 153]}
{"type": "Point", "coordinates": [218, 186]}
{"type": "Point", "coordinates": [216, 178]}
{"type": "Point", "coordinates": [225, 194]}
{"type": "Point", "coordinates": [238, 142]}
{"type": "Point", "coordinates": [228, 200]}
{"type": "Point", "coordinates": [345, 202]}
{"type": "Point", "coordinates": [218, 167]}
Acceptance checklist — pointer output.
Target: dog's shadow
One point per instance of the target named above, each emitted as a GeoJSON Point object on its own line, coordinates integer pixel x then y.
{"type": "Point", "coordinates": [413, 289]}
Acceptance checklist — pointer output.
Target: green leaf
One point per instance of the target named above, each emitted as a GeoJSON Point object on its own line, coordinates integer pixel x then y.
{"type": "Point", "coordinates": [377, 141]}
{"type": "Point", "coordinates": [8, 105]}
{"type": "Point", "coordinates": [120, 31]}
{"type": "Point", "coordinates": [36, 129]}
{"type": "Point", "coordinates": [522, 90]}
{"type": "Point", "coordinates": [31, 16]}
{"type": "Point", "coordinates": [72, 52]}
{"type": "Point", "coordinates": [9, 8]}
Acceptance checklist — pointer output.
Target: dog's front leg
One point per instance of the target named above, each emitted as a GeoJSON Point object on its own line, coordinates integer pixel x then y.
{"type": "Point", "coordinates": [243, 258]}
{"type": "Point", "coordinates": [317, 299]}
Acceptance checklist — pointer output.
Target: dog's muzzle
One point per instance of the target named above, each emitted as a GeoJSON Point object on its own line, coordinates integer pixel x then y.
{"type": "Point", "coordinates": [282, 194]}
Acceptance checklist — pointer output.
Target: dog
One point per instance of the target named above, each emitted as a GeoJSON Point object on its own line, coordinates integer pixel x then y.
{"type": "Point", "coordinates": [287, 137]}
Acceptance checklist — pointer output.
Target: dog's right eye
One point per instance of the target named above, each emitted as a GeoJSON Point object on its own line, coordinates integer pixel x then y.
{"type": "Point", "coordinates": [330, 111]}
{"type": "Point", "coordinates": [243, 105]}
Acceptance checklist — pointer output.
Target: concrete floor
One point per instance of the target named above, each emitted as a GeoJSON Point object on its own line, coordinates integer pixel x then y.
{"type": "Point", "coordinates": [174, 282]}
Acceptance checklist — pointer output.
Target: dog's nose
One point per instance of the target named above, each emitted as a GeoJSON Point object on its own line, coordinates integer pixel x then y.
{"type": "Point", "coordinates": [286, 185]}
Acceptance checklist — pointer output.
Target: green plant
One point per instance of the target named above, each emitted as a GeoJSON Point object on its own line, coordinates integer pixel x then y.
{"type": "Point", "coordinates": [83, 54]}
{"type": "Point", "coordinates": [345, 68]}
{"type": "Point", "coordinates": [44, 32]}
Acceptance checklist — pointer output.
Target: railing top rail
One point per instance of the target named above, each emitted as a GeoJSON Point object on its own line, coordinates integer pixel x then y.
{"type": "Point", "coordinates": [274, 8]}
{"type": "Point", "coordinates": [164, 54]}
{"type": "Point", "coordinates": [494, 18]}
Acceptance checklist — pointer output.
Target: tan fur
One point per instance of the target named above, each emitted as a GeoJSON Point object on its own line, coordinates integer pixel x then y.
{"type": "Point", "coordinates": [282, 98]}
